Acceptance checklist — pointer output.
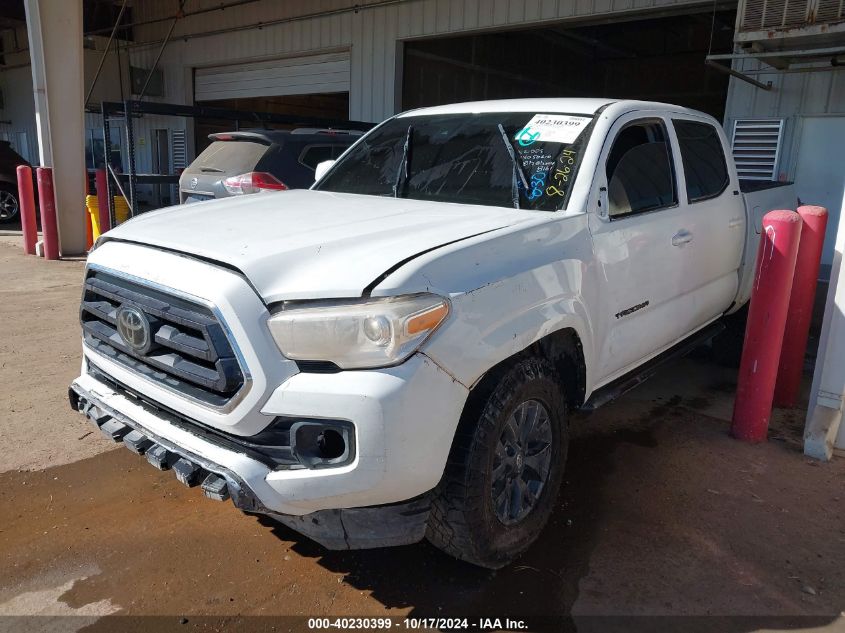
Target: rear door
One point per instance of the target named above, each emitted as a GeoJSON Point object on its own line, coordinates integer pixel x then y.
{"type": "Point", "coordinates": [714, 217]}
{"type": "Point", "coordinates": [203, 179]}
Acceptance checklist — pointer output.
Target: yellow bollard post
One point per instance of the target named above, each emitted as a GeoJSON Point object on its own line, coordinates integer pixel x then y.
{"type": "Point", "coordinates": [92, 204]}
{"type": "Point", "coordinates": [121, 210]}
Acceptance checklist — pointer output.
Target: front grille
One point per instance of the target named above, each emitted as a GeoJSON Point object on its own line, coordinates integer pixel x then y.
{"type": "Point", "coordinates": [189, 351]}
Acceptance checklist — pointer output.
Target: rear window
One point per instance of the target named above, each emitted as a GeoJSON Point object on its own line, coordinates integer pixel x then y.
{"type": "Point", "coordinates": [313, 155]}
{"type": "Point", "coordinates": [704, 159]}
{"type": "Point", "coordinates": [229, 157]}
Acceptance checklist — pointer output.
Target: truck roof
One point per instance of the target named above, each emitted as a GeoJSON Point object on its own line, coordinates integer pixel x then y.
{"type": "Point", "coordinates": [567, 105]}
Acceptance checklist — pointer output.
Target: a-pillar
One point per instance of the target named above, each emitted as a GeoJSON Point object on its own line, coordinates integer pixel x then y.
{"type": "Point", "coordinates": [55, 46]}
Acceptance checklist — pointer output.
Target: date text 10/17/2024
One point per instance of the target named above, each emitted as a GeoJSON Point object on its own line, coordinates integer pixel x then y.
{"type": "Point", "coordinates": [465, 624]}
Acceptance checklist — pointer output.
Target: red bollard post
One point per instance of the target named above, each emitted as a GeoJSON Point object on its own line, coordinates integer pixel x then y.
{"type": "Point", "coordinates": [26, 197]}
{"type": "Point", "coordinates": [49, 222]}
{"type": "Point", "coordinates": [766, 321]}
{"type": "Point", "coordinates": [797, 330]}
{"type": "Point", "coordinates": [102, 200]}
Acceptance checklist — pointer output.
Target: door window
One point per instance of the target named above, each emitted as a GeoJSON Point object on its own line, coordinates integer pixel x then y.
{"type": "Point", "coordinates": [313, 155]}
{"type": "Point", "coordinates": [704, 159]}
{"type": "Point", "coordinates": [639, 170]}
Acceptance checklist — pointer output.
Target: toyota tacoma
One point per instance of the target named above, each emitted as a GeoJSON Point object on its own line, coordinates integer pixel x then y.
{"type": "Point", "coordinates": [395, 353]}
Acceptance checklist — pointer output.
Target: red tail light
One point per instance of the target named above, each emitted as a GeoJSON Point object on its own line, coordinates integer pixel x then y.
{"type": "Point", "coordinates": [253, 182]}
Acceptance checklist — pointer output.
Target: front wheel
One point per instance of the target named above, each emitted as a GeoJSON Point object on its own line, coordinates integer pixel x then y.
{"type": "Point", "coordinates": [9, 205]}
{"type": "Point", "coordinates": [505, 468]}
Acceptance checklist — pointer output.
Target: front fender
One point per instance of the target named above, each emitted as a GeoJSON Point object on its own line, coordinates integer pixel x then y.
{"type": "Point", "coordinates": [508, 289]}
{"type": "Point", "coordinates": [497, 321]}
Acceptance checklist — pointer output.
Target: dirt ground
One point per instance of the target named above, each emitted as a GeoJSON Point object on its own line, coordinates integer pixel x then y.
{"type": "Point", "coordinates": [662, 515]}
{"type": "Point", "coordinates": [39, 356]}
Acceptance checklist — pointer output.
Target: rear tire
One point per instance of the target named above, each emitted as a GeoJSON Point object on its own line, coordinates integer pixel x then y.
{"type": "Point", "coordinates": [9, 203]}
{"type": "Point", "coordinates": [506, 465]}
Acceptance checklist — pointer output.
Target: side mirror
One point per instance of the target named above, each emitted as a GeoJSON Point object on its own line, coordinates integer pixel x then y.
{"type": "Point", "coordinates": [603, 203]}
{"type": "Point", "coordinates": [322, 168]}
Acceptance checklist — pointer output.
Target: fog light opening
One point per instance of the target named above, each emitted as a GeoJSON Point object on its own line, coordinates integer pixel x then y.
{"type": "Point", "coordinates": [322, 444]}
{"type": "Point", "coordinates": [331, 444]}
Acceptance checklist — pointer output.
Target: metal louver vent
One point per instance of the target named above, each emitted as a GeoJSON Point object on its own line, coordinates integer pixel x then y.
{"type": "Point", "coordinates": [759, 15]}
{"type": "Point", "coordinates": [179, 149]}
{"type": "Point", "coordinates": [756, 148]}
{"type": "Point", "coordinates": [830, 10]}
{"type": "Point", "coordinates": [179, 156]}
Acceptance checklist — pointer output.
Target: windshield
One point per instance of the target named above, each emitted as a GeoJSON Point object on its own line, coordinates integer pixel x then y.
{"type": "Point", "coordinates": [466, 158]}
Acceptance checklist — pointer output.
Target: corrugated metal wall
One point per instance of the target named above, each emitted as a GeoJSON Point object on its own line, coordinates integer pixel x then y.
{"type": "Point", "coordinates": [371, 34]}
{"type": "Point", "coordinates": [799, 98]}
{"type": "Point", "coordinates": [794, 95]}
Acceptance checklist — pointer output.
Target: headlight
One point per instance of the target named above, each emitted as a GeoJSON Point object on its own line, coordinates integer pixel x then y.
{"type": "Point", "coordinates": [356, 334]}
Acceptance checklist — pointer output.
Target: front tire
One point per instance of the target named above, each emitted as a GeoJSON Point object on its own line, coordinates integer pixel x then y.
{"type": "Point", "coordinates": [9, 203]}
{"type": "Point", "coordinates": [505, 468]}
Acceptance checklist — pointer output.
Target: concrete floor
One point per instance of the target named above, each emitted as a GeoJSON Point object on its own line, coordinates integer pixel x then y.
{"type": "Point", "coordinates": [662, 515]}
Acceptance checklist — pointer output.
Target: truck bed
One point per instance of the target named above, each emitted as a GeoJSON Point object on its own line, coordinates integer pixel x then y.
{"type": "Point", "coordinates": [749, 186]}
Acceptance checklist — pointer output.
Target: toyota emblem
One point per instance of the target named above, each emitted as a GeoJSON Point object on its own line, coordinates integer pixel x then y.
{"type": "Point", "coordinates": [134, 328]}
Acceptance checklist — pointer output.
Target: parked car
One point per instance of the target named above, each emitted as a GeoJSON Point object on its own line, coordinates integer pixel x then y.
{"type": "Point", "coordinates": [395, 354]}
{"type": "Point", "coordinates": [252, 161]}
{"type": "Point", "coordinates": [9, 201]}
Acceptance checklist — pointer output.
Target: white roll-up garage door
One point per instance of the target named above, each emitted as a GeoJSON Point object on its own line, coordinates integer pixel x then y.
{"type": "Point", "coordinates": [291, 76]}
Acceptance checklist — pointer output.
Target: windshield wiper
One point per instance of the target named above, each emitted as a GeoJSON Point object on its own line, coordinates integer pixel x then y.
{"type": "Point", "coordinates": [402, 172]}
{"type": "Point", "coordinates": [517, 170]}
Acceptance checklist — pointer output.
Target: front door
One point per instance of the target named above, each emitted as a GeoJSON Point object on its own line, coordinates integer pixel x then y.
{"type": "Point", "coordinates": [640, 240]}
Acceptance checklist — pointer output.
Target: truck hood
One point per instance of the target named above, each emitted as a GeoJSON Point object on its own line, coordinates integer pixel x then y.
{"type": "Point", "coordinates": [305, 244]}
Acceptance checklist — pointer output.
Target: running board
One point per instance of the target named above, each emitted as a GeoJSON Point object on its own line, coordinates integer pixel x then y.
{"type": "Point", "coordinates": [645, 371]}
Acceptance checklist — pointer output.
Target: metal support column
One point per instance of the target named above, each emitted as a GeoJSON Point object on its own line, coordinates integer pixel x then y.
{"type": "Point", "coordinates": [54, 30]}
{"type": "Point", "coordinates": [107, 163]}
{"type": "Point", "coordinates": [130, 148]}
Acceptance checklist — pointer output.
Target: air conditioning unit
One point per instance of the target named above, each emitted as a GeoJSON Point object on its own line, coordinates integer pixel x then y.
{"type": "Point", "coordinates": [775, 24]}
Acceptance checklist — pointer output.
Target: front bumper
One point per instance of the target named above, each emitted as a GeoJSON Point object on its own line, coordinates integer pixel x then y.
{"type": "Point", "coordinates": [404, 419]}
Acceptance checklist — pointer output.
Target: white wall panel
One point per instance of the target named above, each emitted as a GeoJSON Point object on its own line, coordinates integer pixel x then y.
{"type": "Point", "coordinates": [793, 97]}
{"type": "Point", "coordinates": [289, 76]}
{"type": "Point", "coordinates": [798, 98]}
{"type": "Point", "coordinates": [19, 110]}
{"type": "Point", "coordinates": [371, 34]}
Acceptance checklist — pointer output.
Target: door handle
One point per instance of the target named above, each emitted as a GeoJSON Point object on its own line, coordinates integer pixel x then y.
{"type": "Point", "coordinates": [681, 237]}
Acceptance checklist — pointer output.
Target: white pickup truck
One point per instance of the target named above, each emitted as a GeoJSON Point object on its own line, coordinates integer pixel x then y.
{"type": "Point", "coordinates": [394, 354]}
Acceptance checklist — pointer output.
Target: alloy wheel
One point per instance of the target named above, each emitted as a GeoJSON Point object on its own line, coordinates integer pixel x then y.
{"type": "Point", "coordinates": [8, 205]}
{"type": "Point", "coordinates": [522, 462]}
